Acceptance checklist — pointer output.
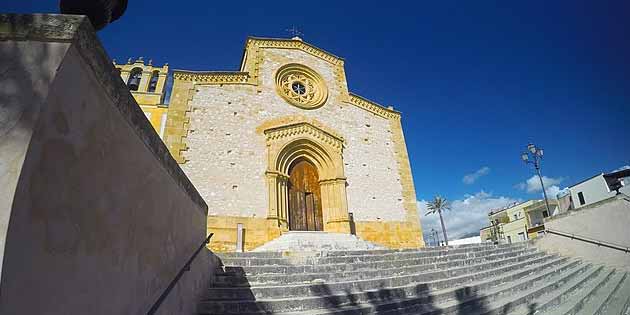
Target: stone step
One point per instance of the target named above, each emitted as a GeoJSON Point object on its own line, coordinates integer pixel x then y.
{"type": "Point", "coordinates": [342, 285]}
{"type": "Point", "coordinates": [603, 295]}
{"type": "Point", "coordinates": [280, 254]}
{"type": "Point", "coordinates": [501, 299]}
{"type": "Point", "coordinates": [373, 270]}
{"type": "Point", "coordinates": [383, 299]}
{"type": "Point", "coordinates": [316, 241]}
{"type": "Point", "coordinates": [326, 294]}
{"type": "Point", "coordinates": [504, 299]}
{"type": "Point", "coordinates": [619, 302]}
{"type": "Point", "coordinates": [523, 304]}
{"type": "Point", "coordinates": [403, 268]}
{"type": "Point", "coordinates": [282, 274]}
{"type": "Point", "coordinates": [350, 259]}
{"type": "Point", "coordinates": [572, 300]}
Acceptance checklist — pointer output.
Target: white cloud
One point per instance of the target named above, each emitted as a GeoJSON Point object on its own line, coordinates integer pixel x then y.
{"type": "Point", "coordinates": [532, 184]}
{"type": "Point", "coordinates": [552, 191]}
{"type": "Point", "coordinates": [471, 178]}
{"type": "Point", "coordinates": [466, 216]}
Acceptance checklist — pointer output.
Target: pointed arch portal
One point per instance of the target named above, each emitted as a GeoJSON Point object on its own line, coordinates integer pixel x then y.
{"type": "Point", "coordinates": [305, 179]}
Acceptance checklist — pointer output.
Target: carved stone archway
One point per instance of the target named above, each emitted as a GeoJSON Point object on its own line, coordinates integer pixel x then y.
{"type": "Point", "coordinates": [311, 141]}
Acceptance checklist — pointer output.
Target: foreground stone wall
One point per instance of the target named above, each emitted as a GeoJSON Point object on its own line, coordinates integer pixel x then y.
{"type": "Point", "coordinates": [98, 217]}
{"type": "Point", "coordinates": [607, 221]}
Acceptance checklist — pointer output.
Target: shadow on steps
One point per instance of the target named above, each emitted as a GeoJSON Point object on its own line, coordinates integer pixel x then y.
{"type": "Point", "coordinates": [380, 301]}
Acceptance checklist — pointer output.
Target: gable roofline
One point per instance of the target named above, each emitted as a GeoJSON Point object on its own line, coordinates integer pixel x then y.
{"type": "Point", "coordinates": [586, 180]}
{"type": "Point", "coordinates": [289, 43]}
{"type": "Point", "coordinates": [249, 75]}
{"type": "Point", "coordinates": [373, 107]}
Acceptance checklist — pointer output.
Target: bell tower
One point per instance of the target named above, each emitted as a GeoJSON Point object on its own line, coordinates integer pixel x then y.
{"type": "Point", "coordinates": [147, 84]}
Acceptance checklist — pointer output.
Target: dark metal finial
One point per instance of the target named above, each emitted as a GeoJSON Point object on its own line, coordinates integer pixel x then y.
{"type": "Point", "coordinates": [100, 12]}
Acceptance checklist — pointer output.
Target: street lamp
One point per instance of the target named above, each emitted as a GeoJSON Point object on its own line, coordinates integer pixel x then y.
{"type": "Point", "coordinates": [534, 155]}
{"type": "Point", "coordinates": [436, 236]}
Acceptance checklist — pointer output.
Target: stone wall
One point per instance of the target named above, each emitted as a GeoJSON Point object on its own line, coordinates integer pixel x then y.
{"type": "Point", "coordinates": [606, 221]}
{"type": "Point", "coordinates": [230, 172]}
{"type": "Point", "coordinates": [98, 216]}
{"type": "Point", "coordinates": [224, 150]}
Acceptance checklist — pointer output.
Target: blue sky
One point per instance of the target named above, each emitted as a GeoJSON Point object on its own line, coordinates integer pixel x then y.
{"type": "Point", "coordinates": [475, 80]}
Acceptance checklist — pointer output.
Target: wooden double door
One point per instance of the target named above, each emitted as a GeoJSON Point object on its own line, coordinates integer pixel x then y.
{"type": "Point", "coordinates": [305, 207]}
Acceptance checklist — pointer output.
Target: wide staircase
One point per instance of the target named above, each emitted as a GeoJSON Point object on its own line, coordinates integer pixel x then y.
{"type": "Point", "coordinates": [473, 279]}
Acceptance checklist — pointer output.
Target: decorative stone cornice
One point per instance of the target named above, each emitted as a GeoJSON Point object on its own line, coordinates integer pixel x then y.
{"type": "Point", "coordinates": [212, 77]}
{"type": "Point", "coordinates": [262, 42]}
{"type": "Point", "coordinates": [303, 128]}
{"type": "Point", "coordinates": [253, 58]}
{"type": "Point", "coordinates": [373, 107]}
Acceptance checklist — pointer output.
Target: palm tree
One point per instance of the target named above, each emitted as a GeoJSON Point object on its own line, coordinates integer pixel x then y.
{"type": "Point", "coordinates": [439, 204]}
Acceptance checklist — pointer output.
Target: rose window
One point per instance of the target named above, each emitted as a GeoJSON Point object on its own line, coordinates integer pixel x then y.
{"type": "Point", "coordinates": [301, 86]}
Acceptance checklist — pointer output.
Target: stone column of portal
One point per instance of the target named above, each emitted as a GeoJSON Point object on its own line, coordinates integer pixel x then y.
{"type": "Point", "coordinates": [335, 205]}
{"type": "Point", "coordinates": [273, 229]}
{"type": "Point", "coordinates": [283, 207]}
{"type": "Point", "coordinates": [326, 207]}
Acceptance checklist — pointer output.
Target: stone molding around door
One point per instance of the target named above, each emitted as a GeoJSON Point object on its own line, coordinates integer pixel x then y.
{"type": "Point", "coordinates": [311, 141]}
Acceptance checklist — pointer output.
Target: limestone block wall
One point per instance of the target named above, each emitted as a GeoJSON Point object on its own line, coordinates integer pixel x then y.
{"type": "Point", "coordinates": [100, 217]}
{"type": "Point", "coordinates": [226, 156]}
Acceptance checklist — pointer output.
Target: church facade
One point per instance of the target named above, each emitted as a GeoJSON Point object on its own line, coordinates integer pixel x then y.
{"type": "Point", "coordinates": [283, 145]}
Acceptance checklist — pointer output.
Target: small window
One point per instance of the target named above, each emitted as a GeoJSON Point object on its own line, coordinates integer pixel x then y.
{"type": "Point", "coordinates": [516, 216]}
{"type": "Point", "coordinates": [581, 197]}
{"type": "Point", "coordinates": [545, 214]}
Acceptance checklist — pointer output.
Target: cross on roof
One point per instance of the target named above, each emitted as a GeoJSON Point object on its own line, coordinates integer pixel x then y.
{"type": "Point", "coordinates": [294, 31]}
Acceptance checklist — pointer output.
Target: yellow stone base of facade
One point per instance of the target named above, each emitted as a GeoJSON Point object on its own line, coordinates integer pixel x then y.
{"type": "Point", "coordinates": [394, 235]}
{"type": "Point", "coordinates": [258, 231]}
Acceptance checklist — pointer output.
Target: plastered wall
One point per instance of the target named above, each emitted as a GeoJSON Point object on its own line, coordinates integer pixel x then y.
{"type": "Point", "coordinates": [100, 217]}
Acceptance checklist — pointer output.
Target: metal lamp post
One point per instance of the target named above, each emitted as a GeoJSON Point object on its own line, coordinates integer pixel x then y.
{"type": "Point", "coordinates": [533, 155]}
{"type": "Point", "coordinates": [436, 236]}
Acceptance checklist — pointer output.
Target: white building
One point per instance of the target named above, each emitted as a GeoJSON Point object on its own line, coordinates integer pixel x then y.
{"type": "Point", "coordinates": [600, 187]}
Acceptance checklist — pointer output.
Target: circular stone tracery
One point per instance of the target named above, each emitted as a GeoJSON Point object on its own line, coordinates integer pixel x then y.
{"type": "Point", "coordinates": [301, 86]}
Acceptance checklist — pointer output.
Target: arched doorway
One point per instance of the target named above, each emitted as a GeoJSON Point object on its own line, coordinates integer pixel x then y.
{"type": "Point", "coordinates": [289, 146]}
{"type": "Point", "coordinates": [305, 199]}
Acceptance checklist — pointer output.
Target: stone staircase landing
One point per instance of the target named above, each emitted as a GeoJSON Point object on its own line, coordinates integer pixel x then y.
{"type": "Point", "coordinates": [316, 241]}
